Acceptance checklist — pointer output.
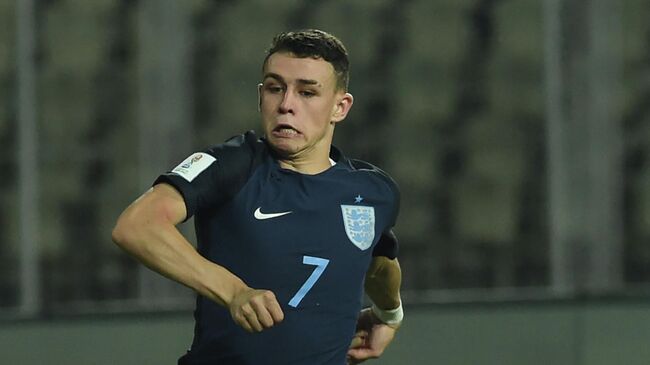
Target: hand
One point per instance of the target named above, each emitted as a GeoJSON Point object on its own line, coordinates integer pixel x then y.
{"type": "Point", "coordinates": [371, 339]}
{"type": "Point", "coordinates": [255, 309]}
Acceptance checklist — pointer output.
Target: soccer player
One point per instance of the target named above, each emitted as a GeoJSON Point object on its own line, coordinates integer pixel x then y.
{"type": "Point", "coordinates": [287, 227]}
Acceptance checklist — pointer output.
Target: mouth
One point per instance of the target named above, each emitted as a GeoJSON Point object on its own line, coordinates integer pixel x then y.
{"type": "Point", "coordinates": [285, 131]}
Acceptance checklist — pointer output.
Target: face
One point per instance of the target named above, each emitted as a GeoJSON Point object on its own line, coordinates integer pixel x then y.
{"type": "Point", "coordinates": [300, 104]}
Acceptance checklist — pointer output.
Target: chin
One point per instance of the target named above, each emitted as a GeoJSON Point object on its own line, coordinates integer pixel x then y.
{"type": "Point", "coordinates": [282, 148]}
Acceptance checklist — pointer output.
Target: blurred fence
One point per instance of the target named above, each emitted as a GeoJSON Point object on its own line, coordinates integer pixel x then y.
{"type": "Point", "coordinates": [518, 131]}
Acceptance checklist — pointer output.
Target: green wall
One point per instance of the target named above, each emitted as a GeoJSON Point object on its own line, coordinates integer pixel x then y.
{"type": "Point", "coordinates": [572, 333]}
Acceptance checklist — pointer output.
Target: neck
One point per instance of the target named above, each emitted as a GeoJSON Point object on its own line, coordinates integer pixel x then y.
{"type": "Point", "coordinates": [305, 166]}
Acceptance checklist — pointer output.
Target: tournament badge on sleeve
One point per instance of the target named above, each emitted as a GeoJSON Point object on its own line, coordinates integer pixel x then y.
{"type": "Point", "coordinates": [359, 222]}
{"type": "Point", "coordinates": [193, 166]}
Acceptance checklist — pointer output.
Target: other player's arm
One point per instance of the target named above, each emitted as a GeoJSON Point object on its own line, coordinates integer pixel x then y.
{"type": "Point", "coordinates": [147, 230]}
{"type": "Point", "coordinates": [376, 327]}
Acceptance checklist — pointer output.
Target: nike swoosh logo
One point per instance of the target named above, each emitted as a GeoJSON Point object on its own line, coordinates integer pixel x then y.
{"type": "Point", "coordinates": [259, 215]}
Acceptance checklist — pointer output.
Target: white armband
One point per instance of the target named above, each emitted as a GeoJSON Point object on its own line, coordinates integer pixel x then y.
{"type": "Point", "coordinates": [390, 316]}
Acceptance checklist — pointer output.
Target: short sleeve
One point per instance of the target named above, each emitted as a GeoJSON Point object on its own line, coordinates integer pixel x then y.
{"type": "Point", "coordinates": [209, 178]}
{"type": "Point", "coordinates": [388, 244]}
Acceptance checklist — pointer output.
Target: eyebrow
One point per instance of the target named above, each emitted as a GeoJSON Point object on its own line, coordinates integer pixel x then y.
{"type": "Point", "coordinates": [300, 81]}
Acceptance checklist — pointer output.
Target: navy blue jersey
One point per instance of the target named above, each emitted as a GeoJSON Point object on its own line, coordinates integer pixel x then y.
{"type": "Point", "coordinates": [307, 238]}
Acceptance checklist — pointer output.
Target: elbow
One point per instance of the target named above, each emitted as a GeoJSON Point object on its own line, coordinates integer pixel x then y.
{"type": "Point", "coordinates": [143, 222]}
{"type": "Point", "coordinates": [125, 231]}
{"type": "Point", "coordinates": [118, 235]}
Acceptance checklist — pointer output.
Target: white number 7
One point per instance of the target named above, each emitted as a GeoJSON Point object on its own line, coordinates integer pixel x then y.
{"type": "Point", "coordinates": [320, 264]}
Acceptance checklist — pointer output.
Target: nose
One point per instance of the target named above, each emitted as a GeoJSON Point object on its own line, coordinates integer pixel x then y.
{"type": "Point", "coordinates": [286, 106]}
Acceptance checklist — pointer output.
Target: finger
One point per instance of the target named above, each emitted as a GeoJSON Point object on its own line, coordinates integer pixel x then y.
{"type": "Point", "coordinates": [362, 333]}
{"type": "Point", "coordinates": [359, 339]}
{"type": "Point", "coordinates": [243, 323]}
{"type": "Point", "coordinates": [251, 317]}
{"type": "Point", "coordinates": [356, 342]}
{"type": "Point", "coordinates": [274, 307]}
{"type": "Point", "coordinates": [362, 354]}
{"type": "Point", "coordinates": [351, 361]}
{"type": "Point", "coordinates": [262, 313]}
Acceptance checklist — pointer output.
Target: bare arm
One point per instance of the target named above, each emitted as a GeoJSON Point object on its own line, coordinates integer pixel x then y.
{"type": "Point", "coordinates": [383, 280]}
{"type": "Point", "coordinates": [147, 230]}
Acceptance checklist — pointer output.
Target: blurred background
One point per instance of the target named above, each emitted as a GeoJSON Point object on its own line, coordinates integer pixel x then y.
{"type": "Point", "coordinates": [518, 131]}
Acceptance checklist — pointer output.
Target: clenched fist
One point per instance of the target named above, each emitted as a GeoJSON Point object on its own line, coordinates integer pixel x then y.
{"type": "Point", "coordinates": [255, 309]}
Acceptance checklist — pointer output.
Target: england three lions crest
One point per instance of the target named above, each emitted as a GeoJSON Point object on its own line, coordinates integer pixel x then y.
{"type": "Point", "coordinates": [359, 222]}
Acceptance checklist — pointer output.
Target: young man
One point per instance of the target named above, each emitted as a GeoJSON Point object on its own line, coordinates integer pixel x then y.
{"type": "Point", "coordinates": [287, 227]}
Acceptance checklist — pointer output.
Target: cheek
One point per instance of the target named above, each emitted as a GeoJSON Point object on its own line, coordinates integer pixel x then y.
{"type": "Point", "coordinates": [267, 107]}
{"type": "Point", "coordinates": [265, 102]}
{"type": "Point", "coordinates": [321, 112]}
{"type": "Point", "coordinates": [270, 99]}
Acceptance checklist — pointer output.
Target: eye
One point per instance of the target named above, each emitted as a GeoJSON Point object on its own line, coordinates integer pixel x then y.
{"type": "Point", "coordinates": [307, 93]}
{"type": "Point", "coordinates": [273, 88]}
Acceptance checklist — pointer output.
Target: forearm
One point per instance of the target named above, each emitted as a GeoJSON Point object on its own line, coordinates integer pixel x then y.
{"type": "Point", "coordinates": [146, 232]}
{"type": "Point", "coordinates": [167, 252]}
{"type": "Point", "coordinates": [383, 282]}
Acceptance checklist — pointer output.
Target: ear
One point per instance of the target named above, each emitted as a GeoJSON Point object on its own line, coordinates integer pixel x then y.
{"type": "Point", "coordinates": [259, 97]}
{"type": "Point", "coordinates": [342, 107]}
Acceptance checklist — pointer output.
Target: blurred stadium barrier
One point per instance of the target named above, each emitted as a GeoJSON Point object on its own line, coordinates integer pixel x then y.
{"type": "Point", "coordinates": [452, 98]}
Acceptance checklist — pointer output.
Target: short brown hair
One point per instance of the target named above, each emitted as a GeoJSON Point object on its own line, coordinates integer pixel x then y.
{"type": "Point", "coordinates": [316, 44]}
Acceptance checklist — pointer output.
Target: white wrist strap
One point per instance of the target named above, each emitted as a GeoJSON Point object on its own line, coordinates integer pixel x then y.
{"type": "Point", "coordinates": [390, 316]}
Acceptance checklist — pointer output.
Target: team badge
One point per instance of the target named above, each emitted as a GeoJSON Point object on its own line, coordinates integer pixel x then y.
{"type": "Point", "coordinates": [359, 222]}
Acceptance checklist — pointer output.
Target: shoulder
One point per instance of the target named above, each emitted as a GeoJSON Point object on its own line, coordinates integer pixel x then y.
{"type": "Point", "coordinates": [375, 173]}
{"type": "Point", "coordinates": [247, 143]}
{"type": "Point", "coordinates": [382, 181]}
{"type": "Point", "coordinates": [240, 153]}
